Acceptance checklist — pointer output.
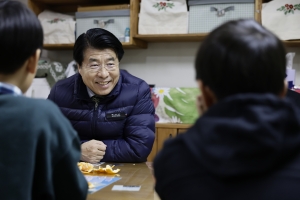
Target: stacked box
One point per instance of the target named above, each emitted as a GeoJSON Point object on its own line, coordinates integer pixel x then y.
{"type": "Point", "coordinates": [205, 15]}
{"type": "Point", "coordinates": [115, 21]}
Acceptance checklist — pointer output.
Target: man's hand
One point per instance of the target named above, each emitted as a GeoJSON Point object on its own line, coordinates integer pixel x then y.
{"type": "Point", "coordinates": [92, 151]}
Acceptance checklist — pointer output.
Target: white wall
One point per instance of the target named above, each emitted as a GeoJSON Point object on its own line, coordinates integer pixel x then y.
{"type": "Point", "coordinates": [296, 63]}
{"type": "Point", "coordinates": [163, 64]}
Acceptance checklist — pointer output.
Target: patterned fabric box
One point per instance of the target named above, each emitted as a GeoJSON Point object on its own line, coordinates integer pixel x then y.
{"type": "Point", "coordinates": [205, 15]}
{"type": "Point", "coordinates": [115, 21]}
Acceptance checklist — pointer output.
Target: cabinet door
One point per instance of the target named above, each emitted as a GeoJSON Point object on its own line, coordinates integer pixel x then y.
{"type": "Point", "coordinates": [164, 134]}
{"type": "Point", "coordinates": [182, 130]}
{"type": "Point", "coordinates": [154, 149]}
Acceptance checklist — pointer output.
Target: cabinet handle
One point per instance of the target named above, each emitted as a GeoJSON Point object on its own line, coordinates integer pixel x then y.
{"type": "Point", "coordinates": [170, 136]}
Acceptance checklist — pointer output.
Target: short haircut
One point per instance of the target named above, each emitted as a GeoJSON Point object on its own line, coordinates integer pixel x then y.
{"type": "Point", "coordinates": [21, 34]}
{"type": "Point", "coordinates": [241, 57]}
{"type": "Point", "coordinates": [96, 38]}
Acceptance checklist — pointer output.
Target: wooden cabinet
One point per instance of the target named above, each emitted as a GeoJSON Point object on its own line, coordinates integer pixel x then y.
{"type": "Point", "coordinates": [197, 37]}
{"type": "Point", "coordinates": [70, 6]}
{"type": "Point", "coordinates": [164, 132]}
{"type": "Point", "coordinates": [136, 40]}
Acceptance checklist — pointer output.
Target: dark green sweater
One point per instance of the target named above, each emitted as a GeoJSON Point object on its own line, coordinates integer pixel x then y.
{"type": "Point", "coordinates": [39, 151]}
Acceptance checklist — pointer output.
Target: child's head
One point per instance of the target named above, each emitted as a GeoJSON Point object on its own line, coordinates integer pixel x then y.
{"type": "Point", "coordinates": [21, 38]}
{"type": "Point", "coordinates": [241, 57]}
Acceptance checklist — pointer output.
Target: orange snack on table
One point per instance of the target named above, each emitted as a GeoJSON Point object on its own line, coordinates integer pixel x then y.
{"type": "Point", "coordinates": [85, 167]}
{"type": "Point", "coordinates": [88, 168]}
{"type": "Point", "coordinates": [109, 170]}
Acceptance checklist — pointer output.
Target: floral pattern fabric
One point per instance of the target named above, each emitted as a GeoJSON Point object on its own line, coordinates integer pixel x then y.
{"type": "Point", "coordinates": [56, 20]}
{"type": "Point", "coordinates": [175, 105]}
{"type": "Point", "coordinates": [289, 8]}
{"type": "Point", "coordinates": [163, 6]}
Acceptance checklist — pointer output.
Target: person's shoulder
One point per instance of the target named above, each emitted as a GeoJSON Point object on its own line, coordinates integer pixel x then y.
{"type": "Point", "coordinates": [45, 114]}
{"type": "Point", "coordinates": [131, 79]}
{"type": "Point", "coordinates": [36, 112]}
{"type": "Point", "coordinates": [44, 106]}
{"type": "Point", "coordinates": [32, 107]}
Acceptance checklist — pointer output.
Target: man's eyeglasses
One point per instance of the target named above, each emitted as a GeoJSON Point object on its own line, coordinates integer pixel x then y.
{"type": "Point", "coordinates": [96, 67]}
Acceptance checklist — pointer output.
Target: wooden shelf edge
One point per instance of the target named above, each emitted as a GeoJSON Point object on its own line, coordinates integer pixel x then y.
{"type": "Point", "coordinates": [58, 46]}
{"type": "Point", "coordinates": [141, 42]}
{"type": "Point", "coordinates": [291, 43]}
{"type": "Point", "coordinates": [83, 2]}
{"type": "Point", "coordinates": [171, 125]}
{"type": "Point", "coordinates": [192, 37]}
{"type": "Point", "coordinates": [126, 45]}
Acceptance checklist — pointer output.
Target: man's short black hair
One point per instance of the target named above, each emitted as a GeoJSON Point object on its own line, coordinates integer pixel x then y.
{"type": "Point", "coordinates": [21, 34]}
{"type": "Point", "coordinates": [241, 57]}
{"type": "Point", "coordinates": [96, 38]}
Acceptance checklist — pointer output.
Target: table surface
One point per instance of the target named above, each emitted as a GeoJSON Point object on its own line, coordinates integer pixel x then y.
{"type": "Point", "coordinates": [137, 174]}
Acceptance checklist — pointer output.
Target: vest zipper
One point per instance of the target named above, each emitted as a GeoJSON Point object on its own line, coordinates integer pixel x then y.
{"type": "Point", "coordinates": [96, 100]}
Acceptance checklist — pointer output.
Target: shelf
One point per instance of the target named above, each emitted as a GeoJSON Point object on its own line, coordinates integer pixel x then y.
{"type": "Point", "coordinates": [192, 37]}
{"type": "Point", "coordinates": [71, 6]}
{"type": "Point", "coordinates": [58, 46]}
{"type": "Point", "coordinates": [102, 2]}
{"type": "Point", "coordinates": [137, 41]}
{"type": "Point", "coordinates": [68, 6]}
{"type": "Point", "coordinates": [292, 43]}
{"type": "Point", "coordinates": [172, 125]}
{"type": "Point", "coordinates": [126, 45]}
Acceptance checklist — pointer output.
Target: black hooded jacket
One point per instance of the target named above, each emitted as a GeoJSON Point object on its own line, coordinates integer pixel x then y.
{"type": "Point", "coordinates": [244, 147]}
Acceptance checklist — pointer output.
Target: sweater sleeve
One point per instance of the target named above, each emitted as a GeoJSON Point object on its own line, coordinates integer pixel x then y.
{"type": "Point", "coordinates": [138, 133]}
{"type": "Point", "coordinates": [69, 182]}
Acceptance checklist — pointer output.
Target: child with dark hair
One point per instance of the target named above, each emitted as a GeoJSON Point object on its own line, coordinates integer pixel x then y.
{"type": "Point", "coordinates": [39, 149]}
{"type": "Point", "coordinates": [246, 145]}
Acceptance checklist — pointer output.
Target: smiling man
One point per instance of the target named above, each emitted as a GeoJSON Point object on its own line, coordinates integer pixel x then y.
{"type": "Point", "coordinates": [111, 110]}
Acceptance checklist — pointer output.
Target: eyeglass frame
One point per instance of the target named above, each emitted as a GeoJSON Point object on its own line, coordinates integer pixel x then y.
{"type": "Point", "coordinates": [100, 67]}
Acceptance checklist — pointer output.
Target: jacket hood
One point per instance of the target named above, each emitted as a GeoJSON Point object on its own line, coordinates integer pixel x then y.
{"type": "Point", "coordinates": [244, 135]}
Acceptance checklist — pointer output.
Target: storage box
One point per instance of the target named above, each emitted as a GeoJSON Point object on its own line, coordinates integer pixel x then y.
{"type": "Point", "coordinates": [282, 18]}
{"type": "Point", "coordinates": [205, 15]}
{"type": "Point", "coordinates": [163, 17]}
{"type": "Point", "coordinates": [115, 21]}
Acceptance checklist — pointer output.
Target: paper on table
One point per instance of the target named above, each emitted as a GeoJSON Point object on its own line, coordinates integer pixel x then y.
{"type": "Point", "coordinates": [126, 188]}
{"type": "Point", "coordinates": [100, 182]}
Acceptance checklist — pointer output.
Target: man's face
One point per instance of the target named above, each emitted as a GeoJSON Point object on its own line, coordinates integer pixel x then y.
{"type": "Point", "coordinates": [100, 70]}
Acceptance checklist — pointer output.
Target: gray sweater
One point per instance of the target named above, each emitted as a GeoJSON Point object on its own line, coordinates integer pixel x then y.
{"type": "Point", "coordinates": [39, 151]}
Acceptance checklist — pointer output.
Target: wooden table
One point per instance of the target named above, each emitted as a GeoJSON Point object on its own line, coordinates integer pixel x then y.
{"type": "Point", "coordinates": [137, 174]}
